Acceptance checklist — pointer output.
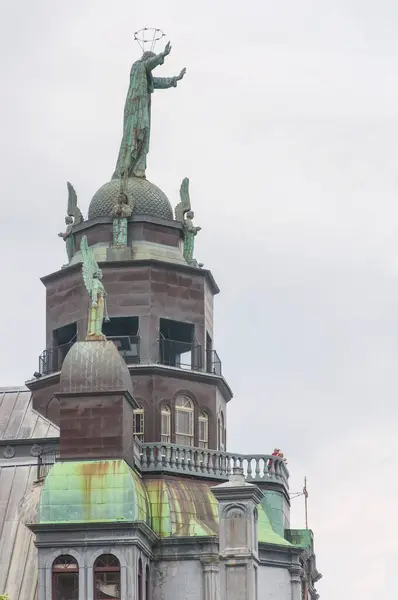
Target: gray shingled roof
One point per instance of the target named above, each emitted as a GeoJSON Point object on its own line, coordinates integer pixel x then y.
{"type": "Point", "coordinates": [19, 494]}
{"type": "Point", "coordinates": [18, 421]}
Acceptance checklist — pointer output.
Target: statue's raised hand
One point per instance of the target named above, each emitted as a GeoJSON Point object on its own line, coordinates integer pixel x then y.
{"type": "Point", "coordinates": [181, 75]}
{"type": "Point", "coordinates": [167, 50]}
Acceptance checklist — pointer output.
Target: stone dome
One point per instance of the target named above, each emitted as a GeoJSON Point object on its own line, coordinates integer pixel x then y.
{"type": "Point", "coordinates": [144, 197]}
{"type": "Point", "coordinates": [94, 366]}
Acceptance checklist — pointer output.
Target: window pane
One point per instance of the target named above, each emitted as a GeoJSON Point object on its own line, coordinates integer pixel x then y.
{"type": "Point", "coordinates": [138, 423]}
{"type": "Point", "coordinates": [184, 440]}
{"type": "Point", "coordinates": [107, 586]}
{"type": "Point", "coordinates": [66, 586]}
{"type": "Point", "coordinates": [165, 423]}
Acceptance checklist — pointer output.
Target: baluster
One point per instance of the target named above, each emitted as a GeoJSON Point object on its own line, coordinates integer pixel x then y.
{"type": "Point", "coordinates": [249, 468]}
{"type": "Point", "coordinates": [159, 463]}
{"type": "Point", "coordinates": [197, 462]}
{"type": "Point", "coordinates": [184, 459]}
{"type": "Point", "coordinates": [265, 468]}
{"type": "Point", "coordinates": [178, 459]}
{"type": "Point", "coordinates": [151, 458]}
{"type": "Point", "coordinates": [173, 459]}
{"type": "Point", "coordinates": [167, 457]}
{"type": "Point", "coordinates": [257, 469]}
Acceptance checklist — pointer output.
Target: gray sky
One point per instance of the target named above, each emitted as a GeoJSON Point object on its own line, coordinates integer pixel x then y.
{"type": "Point", "coordinates": [287, 125]}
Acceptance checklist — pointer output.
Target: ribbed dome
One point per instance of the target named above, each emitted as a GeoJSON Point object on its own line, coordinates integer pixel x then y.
{"type": "Point", "coordinates": [145, 198]}
{"type": "Point", "coordinates": [94, 366]}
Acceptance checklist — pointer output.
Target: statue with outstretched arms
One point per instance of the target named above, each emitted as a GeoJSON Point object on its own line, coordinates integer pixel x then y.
{"type": "Point", "coordinates": [137, 113]}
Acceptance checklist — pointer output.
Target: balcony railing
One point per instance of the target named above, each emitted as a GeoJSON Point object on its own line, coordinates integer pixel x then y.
{"type": "Point", "coordinates": [211, 464]}
{"type": "Point", "coordinates": [184, 355]}
{"type": "Point", "coordinates": [194, 462]}
{"type": "Point", "coordinates": [172, 353]}
{"type": "Point", "coordinates": [45, 460]}
{"type": "Point", "coordinates": [51, 359]}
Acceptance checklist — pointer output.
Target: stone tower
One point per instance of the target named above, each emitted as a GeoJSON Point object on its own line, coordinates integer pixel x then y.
{"type": "Point", "coordinates": [136, 500]}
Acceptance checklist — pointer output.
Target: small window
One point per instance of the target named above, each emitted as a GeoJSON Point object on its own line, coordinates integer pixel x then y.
{"type": "Point", "coordinates": [166, 425]}
{"type": "Point", "coordinates": [184, 421]}
{"type": "Point", "coordinates": [65, 575]}
{"type": "Point", "coordinates": [221, 433]}
{"type": "Point", "coordinates": [139, 579]}
{"type": "Point", "coordinates": [106, 578]}
{"type": "Point", "coordinates": [138, 424]}
{"type": "Point", "coordinates": [203, 430]}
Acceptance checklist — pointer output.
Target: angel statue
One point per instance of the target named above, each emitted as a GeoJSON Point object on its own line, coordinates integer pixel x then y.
{"type": "Point", "coordinates": [137, 113]}
{"type": "Point", "coordinates": [92, 276]}
{"type": "Point", "coordinates": [74, 217]}
{"type": "Point", "coordinates": [184, 214]}
{"type": "Point", "coordinates": [121, 212]}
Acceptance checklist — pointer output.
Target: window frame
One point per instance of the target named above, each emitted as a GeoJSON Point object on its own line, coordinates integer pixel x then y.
{"type": "Point", "coordinates": [106, 569]}
{"type": "Point", "coordinates": [64, 570]}
{"type": "Point", "coordinates": [165, 416]}
{"type": "Point", "coordinates": [139, 412]}
{"type": "Point", "coordinates": [184, 405]}
{"type": "Point", "coordinates": [203, 420]}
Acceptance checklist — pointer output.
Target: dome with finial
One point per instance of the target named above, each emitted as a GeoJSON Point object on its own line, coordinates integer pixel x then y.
{"type": "Point", "coordinates": [145, 198]}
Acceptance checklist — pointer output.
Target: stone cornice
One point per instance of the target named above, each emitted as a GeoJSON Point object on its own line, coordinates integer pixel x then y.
{"type": "Point", "coordinates": [166, 266]}
{"type": "Point", "coordinates": [141, 526]}
{"type": "Point", "coordinates": [190, 375]}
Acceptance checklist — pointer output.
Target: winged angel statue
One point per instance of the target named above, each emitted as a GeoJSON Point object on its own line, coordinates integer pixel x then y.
{"type": "Point", "coordinates": [185, 215]}
{"type": "Point", "coordinates": [74, 217]}
{"type": "Point", "coordinates": [92, 276]}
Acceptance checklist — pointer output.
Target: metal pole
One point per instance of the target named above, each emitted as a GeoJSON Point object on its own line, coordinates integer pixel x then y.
{"type": "Point", "coordinates": [305, 502]}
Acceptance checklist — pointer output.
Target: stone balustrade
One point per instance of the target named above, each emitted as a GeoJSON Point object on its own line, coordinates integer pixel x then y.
{"type": "Point", "coordinates": [211, 464]}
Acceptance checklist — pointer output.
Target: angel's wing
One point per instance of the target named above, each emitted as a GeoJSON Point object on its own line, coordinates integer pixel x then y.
{"type": "Point", "coordinates": [185, 203]}
{"type": "Point", "coordinates": [73, 210]}
{"type": "Point", "coordinates": [90, 265]}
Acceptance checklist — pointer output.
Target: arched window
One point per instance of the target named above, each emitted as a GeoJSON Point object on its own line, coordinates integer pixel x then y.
{"type": "Point", "coordinates": [138, 423]}
{"type": "Point", "coordinates": [106, 578]}
{"type": "Point", "coordinates": [203, 430]}
{"type": "Point", "coordinates": [221, 433]}
{"type": "Point", "coordinates": [147, 583]}
{"type": "Point", "coordinates": [184, 421]}
{"type": "Point", "coordinates": [139, 579]}
{"type": "Point", "coordinates": [165, 425]}
{"type": "Point", "coordinates": [65, 574]}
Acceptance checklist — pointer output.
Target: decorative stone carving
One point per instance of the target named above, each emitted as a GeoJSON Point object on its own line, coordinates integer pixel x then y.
{"type": "Point", "coordinates": [9, 452]}
{"type": "Point", "coordinates": [36, 450]}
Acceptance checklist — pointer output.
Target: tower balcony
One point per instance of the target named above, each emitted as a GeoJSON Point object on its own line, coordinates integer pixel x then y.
{"type": "Point", "coordinates": [175, 459]}
{"type": "Point", "coordinates": [171, 353]}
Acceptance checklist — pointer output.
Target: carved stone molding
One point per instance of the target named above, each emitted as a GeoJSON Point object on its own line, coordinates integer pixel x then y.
{"type": "Point", "coordinates": [9, 452]}
{"type": "Point", "coordinates": [36, 450]}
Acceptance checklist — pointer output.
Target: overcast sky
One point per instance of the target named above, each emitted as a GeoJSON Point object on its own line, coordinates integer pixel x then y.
{"type": "Point", "coordinates": [287, 125]}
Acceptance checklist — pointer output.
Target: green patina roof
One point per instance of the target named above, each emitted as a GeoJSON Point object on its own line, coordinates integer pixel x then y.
{"type": "Point", "coordinates": [301, 537]}
{"type": "Point", "coordinates": [188, 508]}
{"type": "Point", "coordinates": [93, 491]}
{"type": "Point", "coordinates": [110, 491]}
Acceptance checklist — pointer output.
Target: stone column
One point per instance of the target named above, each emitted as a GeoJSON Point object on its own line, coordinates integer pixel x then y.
{"type": "Point", "coordinates": [211, 577]}
{"type": "Point", "coordinates": [295, 578]}
{"type": "Point", "coordinates": [238, 537]}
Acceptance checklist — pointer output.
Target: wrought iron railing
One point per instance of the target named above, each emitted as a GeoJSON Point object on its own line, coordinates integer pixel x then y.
{"type": "Point", "coordinates": [45, 460]}
{"type": "Point", "coordinates": [212, 464]}
{"type": "Point", "coordinates": [214, 364]}
{"type": "Point", "coordinates": [183, 355]}
{"type": "Point", "coordinates": [51, 359]}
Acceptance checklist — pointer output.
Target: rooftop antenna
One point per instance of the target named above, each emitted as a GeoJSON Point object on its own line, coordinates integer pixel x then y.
{"type": "Point", "coordinates": [148, 37]}
{"type": "Point", "coordinates": [304, 493]}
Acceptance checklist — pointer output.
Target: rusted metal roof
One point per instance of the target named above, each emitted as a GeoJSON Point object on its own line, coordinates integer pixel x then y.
{"type": "Point", "coordinates": [18, 555]}
{"type": "Point", "coordinates": [18, 420]}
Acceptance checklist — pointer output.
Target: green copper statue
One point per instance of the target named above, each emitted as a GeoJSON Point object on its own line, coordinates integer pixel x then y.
{"type": "Point", "coordinates": [184, 214]}
{"type": "Point", "coordinates": [74, 217]}
{"type": "Point", "coordinates": [92, 276]}
{"type": "Point", "coordinates": [137, 113]}
{"type": "Point", "coordinates": [121, 212]}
